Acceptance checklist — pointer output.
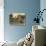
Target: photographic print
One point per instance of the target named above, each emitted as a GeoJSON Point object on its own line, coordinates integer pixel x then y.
{"type": "Point", "coordinates": [17, 18]}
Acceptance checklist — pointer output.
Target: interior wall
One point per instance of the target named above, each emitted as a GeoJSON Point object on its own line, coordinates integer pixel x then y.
{"type": "Point", "coordinates": [1, 21]}
{"type": "Point", "coordinates": [43, 6]}
{"type": "Point", "coordinates": [29, 7]}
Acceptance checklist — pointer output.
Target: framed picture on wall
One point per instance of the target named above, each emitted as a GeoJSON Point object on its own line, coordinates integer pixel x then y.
{"type": "Point", "coordinates": [17, 19]}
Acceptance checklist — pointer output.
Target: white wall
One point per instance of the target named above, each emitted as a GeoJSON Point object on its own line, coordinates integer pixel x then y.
{"type": "Point", "coordinates": [1, 21]}
{"type": "Point", "coordinates": [43, 6]}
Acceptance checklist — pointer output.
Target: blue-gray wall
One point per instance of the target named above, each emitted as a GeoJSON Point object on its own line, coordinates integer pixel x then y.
{"type": "Point", "coordinates": [30, 7]}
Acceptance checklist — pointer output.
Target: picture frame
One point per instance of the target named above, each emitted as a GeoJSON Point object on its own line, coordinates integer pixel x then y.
{"type": "Point", "coordinates": [17, 19]}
